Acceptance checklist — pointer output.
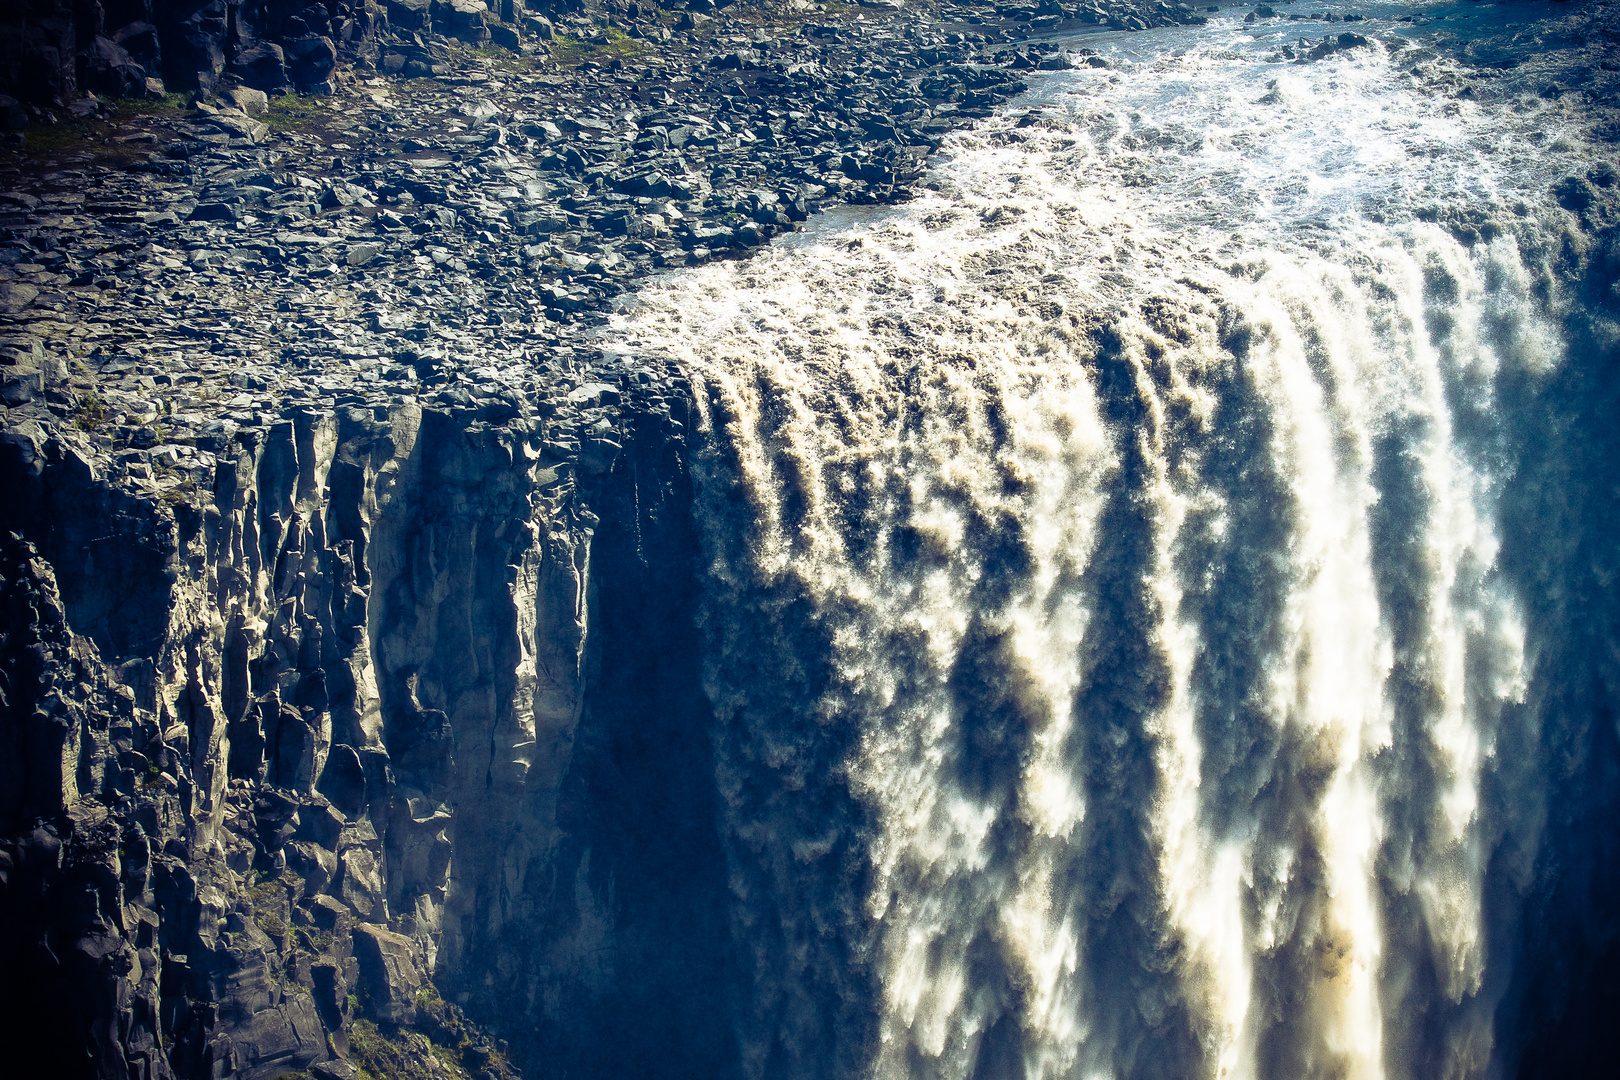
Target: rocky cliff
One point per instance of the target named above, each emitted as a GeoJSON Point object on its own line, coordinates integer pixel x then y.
{"type": "Point", "coordinates": [51, 49]}
{"type": "Point", "coordinates": [367, 701]}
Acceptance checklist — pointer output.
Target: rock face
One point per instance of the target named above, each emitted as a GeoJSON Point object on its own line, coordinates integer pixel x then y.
{"type": "Point", "coordinates": [305, 737]}
{"type": "Point", "coordinates": [49, 49]}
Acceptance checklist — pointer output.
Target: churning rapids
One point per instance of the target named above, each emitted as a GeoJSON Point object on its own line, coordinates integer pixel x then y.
{"type": "Point", "coordinates": [1148, 600]}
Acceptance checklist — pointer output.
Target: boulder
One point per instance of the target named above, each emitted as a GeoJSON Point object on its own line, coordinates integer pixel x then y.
{"type": "Point", "coordinates": [263, 67]}
{"type": "Point", "coordinates": [409, 14]}
{"type": "Point", "coordinates": [140, 40]}
{"type": "Point", "coordinates": [390, 974]}
{"type": "Point", "coordinates": [311, 60]}
{"type": "Point", "coordinates": [248, 99]}
{"type": "Point", "coordinates": [106, 68]}
{"type": "Point", "coordinates": [507, 37]}
{"type": "Point", "coordinates": [466, 20]}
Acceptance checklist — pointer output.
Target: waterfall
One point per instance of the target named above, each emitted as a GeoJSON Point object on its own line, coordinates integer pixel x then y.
{"type": "Point", "coordinates": [1115, 670]}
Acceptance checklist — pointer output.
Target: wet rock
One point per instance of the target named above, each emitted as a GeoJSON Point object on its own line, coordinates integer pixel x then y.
{"type": "Point", "coordinates": [1328, 46]}
{"type": "Point", "coordinates": [322, 384]}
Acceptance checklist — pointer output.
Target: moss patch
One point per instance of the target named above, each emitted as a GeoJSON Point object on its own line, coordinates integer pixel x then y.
{"type": "Point", "coordinates": [293, 113]}
{"type": "Point", "coordinates": [379, 1057]}
{"type": "Point", "coordinates": [89, 412]}
{"type": "Point", "coordinates": [610, 44]}
{"type": "Point", "coordinates": [93, 137]}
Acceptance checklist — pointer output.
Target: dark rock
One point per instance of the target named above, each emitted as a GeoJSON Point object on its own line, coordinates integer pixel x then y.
{"type": "Point", "coordinates": [106, 68]}
{"type": "Point", "coordinates": [301, 456]}
{"type": "Point", "coordinates": [467, 20]}
{"type": "Point", "coordinates": [1328, 46]}
{"type": "Point", "coordinates": [320, 824]}
{"type": "Point", "coordinates": [389, 973]}
{"type": "Point", "coordinates": [193, 37]}
{"type": "Point", "coordinates": [505, 36]}
{"type": "Point", "coordinates": [310, 60]}
{"type": "Point", "coordinates": [12, 116]}
{"type": "Point", "coordinates": [37, 52]}
{"type": "Point", "coordinates": [264, 66]}
{"type": "Point", "coordinates": [140, 40]}
{"type": "Point", "coordinates": [409, 14]}
{"type": "Point", "coordinates": [214, 212]}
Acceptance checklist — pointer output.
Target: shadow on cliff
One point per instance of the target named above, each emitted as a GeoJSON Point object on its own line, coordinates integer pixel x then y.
{"type": "Point", "coordinates": [633, 961]}
{"type": "Point", "coordinates": [1561, 516]}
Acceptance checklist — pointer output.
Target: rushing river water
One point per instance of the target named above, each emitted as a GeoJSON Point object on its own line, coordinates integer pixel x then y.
{"type": "Point", "coordinates": [1117, 670]}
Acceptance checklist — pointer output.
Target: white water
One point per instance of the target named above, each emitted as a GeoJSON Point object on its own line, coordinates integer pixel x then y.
{"type": "Point", "coordinates": [1107, 639]}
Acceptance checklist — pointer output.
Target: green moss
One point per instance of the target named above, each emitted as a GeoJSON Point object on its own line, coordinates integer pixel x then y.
{"type": "Point", "coordinates": [619, 43]}
{"type": "Point", "coordinates": [268, 896]}
{"type": "Point", "coordinates": [380, 1058]}
{"type": "Point", "coordinates": [613, 43]}
{"type": "Point", "coordinates": [293, 113]}
{"type": "Point", "coordinates": [127, 110]}
{"type": "Point", "coordinates": [93, 136]}
{"type": "Point", "coordinates": [46, 139]}
{"type": "Point", "coordinates": [318, 940]}
{"type": "Point", "coordinates": [568, 50]}
{"type": "Point", "coordinates": [87, 416]}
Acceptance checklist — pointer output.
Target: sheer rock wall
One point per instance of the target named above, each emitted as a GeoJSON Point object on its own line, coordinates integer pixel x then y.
{"type": "Point", "coordinates": [294, 743]}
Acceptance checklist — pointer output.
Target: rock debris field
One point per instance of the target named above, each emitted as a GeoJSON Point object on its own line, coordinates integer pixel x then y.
{"type": "Point", "coordinates": [446, 241]}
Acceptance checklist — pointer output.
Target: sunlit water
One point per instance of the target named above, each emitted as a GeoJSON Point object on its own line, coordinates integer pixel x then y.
{"type": "Point", "coordinates": [1107, 642]}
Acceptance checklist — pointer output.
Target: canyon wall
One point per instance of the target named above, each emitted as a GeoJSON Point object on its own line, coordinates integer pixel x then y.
{"type": "Point", "coordinates": [368, 698]}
